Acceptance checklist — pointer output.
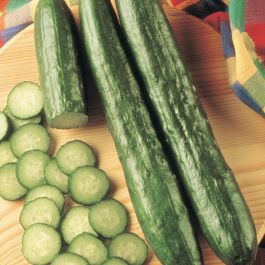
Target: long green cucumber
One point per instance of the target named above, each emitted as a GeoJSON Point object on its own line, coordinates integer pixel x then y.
{"type": "Point", "coordinates": [156, 198]}
{"type": "Point", "coordinates": [61, 80]}
{"type": "Point", "coordinates": [210, 184]}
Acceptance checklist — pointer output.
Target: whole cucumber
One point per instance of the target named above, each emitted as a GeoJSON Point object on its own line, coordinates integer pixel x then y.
{"type": "Point", "coordinates": [220, 208]}
{"type": "Point", "coordinates": [156, 197]}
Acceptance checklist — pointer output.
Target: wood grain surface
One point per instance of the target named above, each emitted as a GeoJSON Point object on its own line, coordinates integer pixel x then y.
{"type": "Point", "coordinates": [239, 131]}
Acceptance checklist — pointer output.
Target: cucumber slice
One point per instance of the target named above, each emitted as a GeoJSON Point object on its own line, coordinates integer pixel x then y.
{"type": "Point", "coordinates": [115, 261]}
{"type": "Point", "coordinates": [55, 177]}
{"type": "Point", "coordinates": [69, 259]}
{"type": "Point", "coordinates": [30, 137]}
{"type": "Point", "coordinates": [46, 191]}
{"type": "Point", "coordinates": [6, 155]}
{"type": "Point", "coordinates": [4, 126]}
{"type": "Point", "coordinates": [17, 123]}
{"type": "Point", "coordinates": [25, 100]}
{"type": "Point", "coordinates": [40, 244]}
{"type": "Point", "coordinates": [10, 188]}
{"type": "Point", "coordinates": [75, 154]}
{"type": "Point", "coordinates": [88, 185]}
{"type": "Point", "coordinates": [129, 247]}
{"type": "Point", "coordinates": [109, 218]}
{"type": "Point", "coordinates": [75, 223]}
{"type": "Point", "coordinates": [89, 247]}
{"type": "Point", "coordinates": [42, 211]}
{"type": "Point", "coordinates": [30, 169]}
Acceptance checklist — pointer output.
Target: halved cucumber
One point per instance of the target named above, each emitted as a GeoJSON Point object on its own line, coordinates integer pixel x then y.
{"type": "Point", "coordinates": [10, 188]}
{"type": "Point", "coordinates": [75, 154]}
{"type": "Point", "coordinates": [4, 126]}
{"type": "Point", "coordinates": [115, 261]}
{"type": "Point", "coordinates": [46, 191]}
{"type": "Point", "coordinates": [40, 244]}
{"type": "Point", "coordinates": [41, 210]}
{"type": "Point", "coordinates": [30, 169]}
{"type": "Point", "coordinates": [69, 259]}
{"type": "Point", "coordinates": [88, 185]}
{"type": "Point", "coordinates": [29, 137]}
{"type": "Point", "coordinates": [25, 100]}
{"type": "Point", "coordinates": [17, 123]}
{"type": "Point", "coordinates": [6, 154]}
{"type": "Point", "coordinates": [75, 223]}
{"type": "Point", "coordinates": [108, 217]}
{"type": "Point", "coordinates": [55, 177]}
{"type": "Point", "coordinates": [129, 247]}
{"type": "Point", "coordinates": [89, 247]}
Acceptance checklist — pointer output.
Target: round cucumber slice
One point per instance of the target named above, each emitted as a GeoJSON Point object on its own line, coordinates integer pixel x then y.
{"type": "Point", "coordinates": [89, 247]}
{"type": "Point", "coordinates": [88, 185]}
{"type": "Point", "coordinates": [115, 261]}
{"type": "Point", "coordinates": [10, 188]}
{"type": "Point", "coordinates": [41, 210]}
{"type": "Point", "coordinates": [25, 100]}
{"type": "Point", "coordinates": [4, 126]}
{"type": "Point", "coordinates": [30, 169]}
{"type": "Point", "coordinates": [75, 223]}
{"type": "Point", "coordinates": [6, 155]}
{"type": "Point", "coordinates": [55, 177]}
{"type": "Point", "coordinates": [40, 244]}
{"type": "Point", "coordinates": [75, 154]}
{"type": "Point", "coordinates": [29, 137]}
{"type": "Point", "coordinates": [46, 191]}
{"type": "Point", "coordinates": [69, 259]}
{"type": "Point", "coordinates": [129, 247]}
{"type": "Point", "coordinates": [108, 217]}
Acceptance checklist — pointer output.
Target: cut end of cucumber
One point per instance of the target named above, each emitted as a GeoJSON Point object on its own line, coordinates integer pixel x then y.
{"type": "Point", "coordinates": [69, 120]}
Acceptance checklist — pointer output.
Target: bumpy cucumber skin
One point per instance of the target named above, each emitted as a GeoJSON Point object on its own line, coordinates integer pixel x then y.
{"type": "Point", "coordinates": [210, 184]}
{"type": "Point", "coordinates": [154, 193]}
{"type": "Point", "coordinates": [61, 79]}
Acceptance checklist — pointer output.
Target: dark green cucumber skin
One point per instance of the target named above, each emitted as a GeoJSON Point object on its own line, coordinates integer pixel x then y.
{"type": "Point", "coordinates": [61, 80]}
{"type": "Point", "coordinates": [210, 184]}
{"type": "Point", "coordinates": [156, 198]}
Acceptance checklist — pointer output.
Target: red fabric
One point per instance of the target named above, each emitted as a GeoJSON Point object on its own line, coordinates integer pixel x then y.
{"type": "Point", "coordinates": [257, 33]}
{"type": "Point", "coordinates": [215, 19]}
{"type": "Point", "coordinates": [176, 2]}
{"type": "Point", "coordinates": [3, 4]}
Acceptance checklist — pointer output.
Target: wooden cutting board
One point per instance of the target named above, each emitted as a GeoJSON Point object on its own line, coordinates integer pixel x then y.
{"type": "Point", "coordinates": [239, 131]}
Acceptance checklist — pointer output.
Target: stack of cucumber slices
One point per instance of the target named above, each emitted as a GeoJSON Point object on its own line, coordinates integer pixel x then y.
{"type": "Point", "coordinates": [93, 231]}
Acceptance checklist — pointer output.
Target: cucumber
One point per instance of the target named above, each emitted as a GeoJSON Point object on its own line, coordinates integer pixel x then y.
{"type": "Point", "coordinates": [46, 191]}
{"type": "Point", "coordinates": [6, 155]}
{"type": "Point", "coordinates": [25, 100]}
{"type": "Point", "coordinates": [129, 247]}
{"type": "Point", "coordinates": [109, 218]}
{"type": "Point", "coordinates": [75, 223]}
{"type": "Point", "coordinates": [58, 60]}
{"type": "Point", "coordinates": [88, 185]}
{"type": "Point", "coordinates": [75, 154]}
{"type": "Point", "coordinates": [29, 137]}
{"type": "Point", "coordinates": [16, 123]}
{"type": "Point", "coordinates": [40, 210]}
{"type": "Point", "coordinates": [10, 188]}
{"type": "Point", "coordinates": [115, 261]}
{"type": "Point", "coordinates": [154, 192]}
{"type": "Point", "coordinates": [211, 186]}
{"type": "Point", "coordinates": [55, 177]}
{"type": "Point", "coordinates": [4, 126]}
{"type": "Point", "coordinates": [89, 247]}
{"type": "Point", "coordinates": [40, 244]}
{"type": "Point", "coordinates": [69, 259]}
{"type": "Point", "coordinates": [30, 169]}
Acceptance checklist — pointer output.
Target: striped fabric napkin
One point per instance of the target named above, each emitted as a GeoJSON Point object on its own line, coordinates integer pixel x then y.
{"type": "Point", "coordinates": [243, 37]}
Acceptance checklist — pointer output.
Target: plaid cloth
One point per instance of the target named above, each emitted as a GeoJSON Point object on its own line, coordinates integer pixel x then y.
{"type": "Point", "coordinates": [243, 37]}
